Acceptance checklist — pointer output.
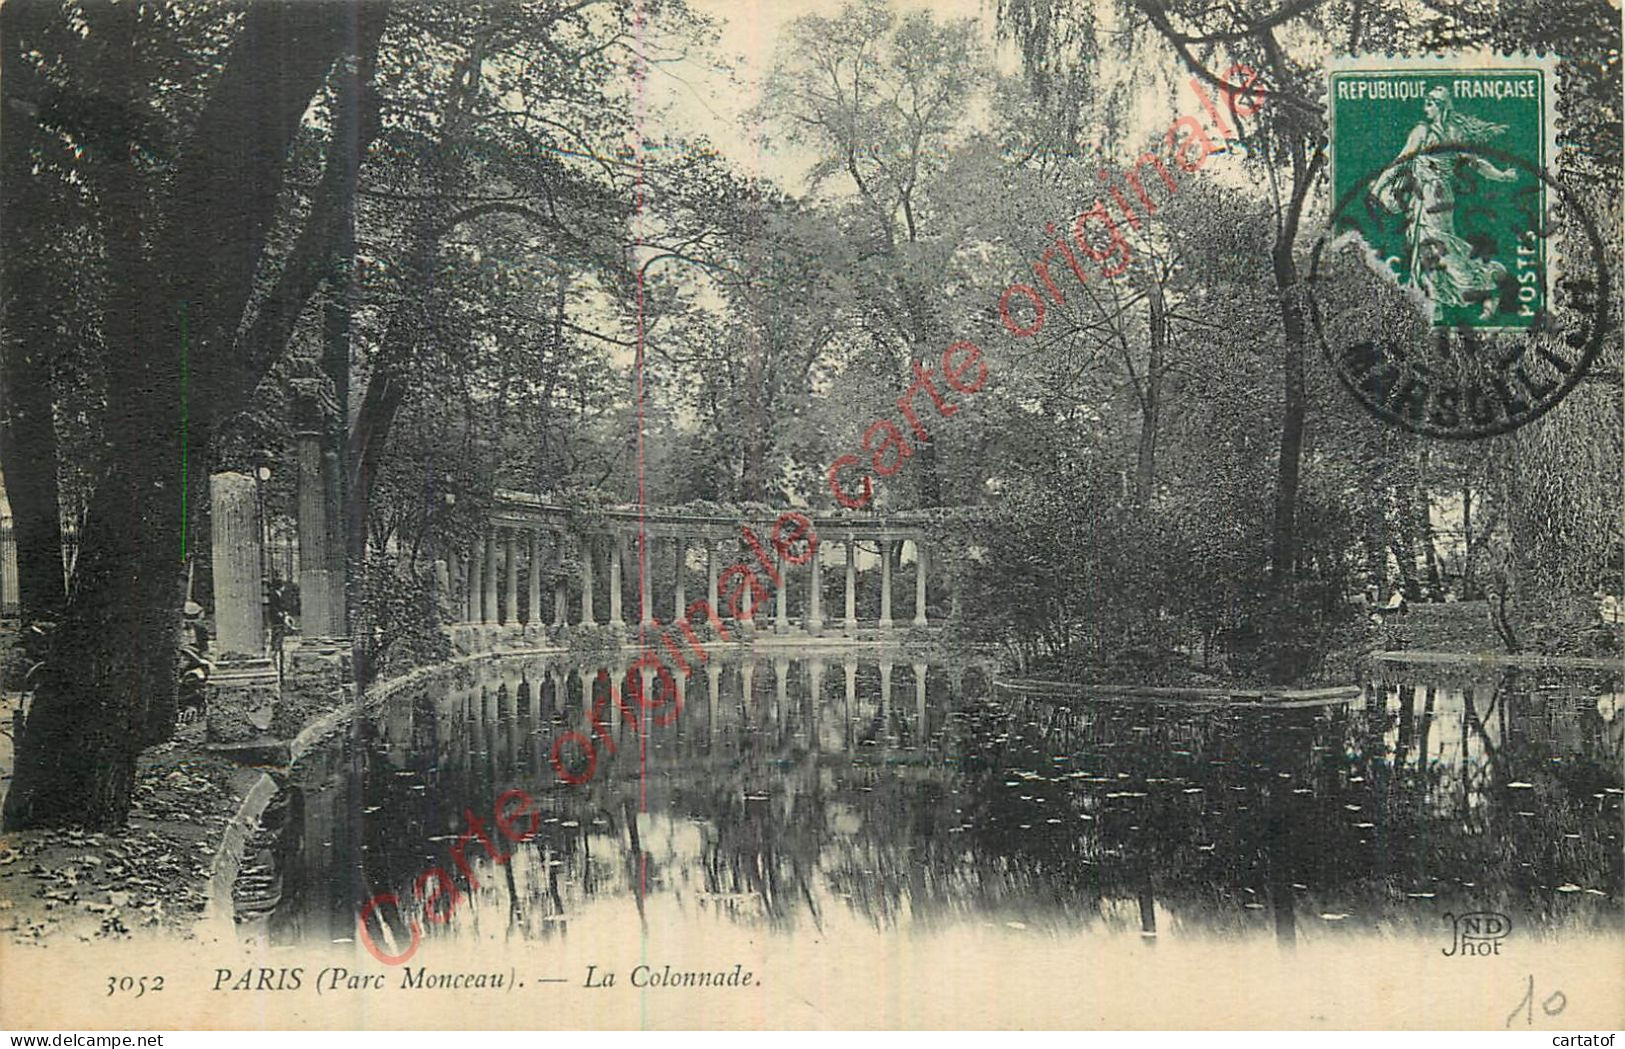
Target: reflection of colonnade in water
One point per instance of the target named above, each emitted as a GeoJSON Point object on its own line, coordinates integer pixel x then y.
{"type": "Point", "coordinates": [819, 782]}
{"type": "Point", "coordinates": [538, 565]}
{"type": "Point", "coordinates": [505, 720]}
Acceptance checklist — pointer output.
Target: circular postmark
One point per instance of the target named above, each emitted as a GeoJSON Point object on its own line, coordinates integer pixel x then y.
{"type": "Point", "coordinates": [1436, 296]}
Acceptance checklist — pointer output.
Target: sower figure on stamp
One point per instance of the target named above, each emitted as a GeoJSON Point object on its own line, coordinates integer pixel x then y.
{"type": "Point", "coordinates": [1442, 264]}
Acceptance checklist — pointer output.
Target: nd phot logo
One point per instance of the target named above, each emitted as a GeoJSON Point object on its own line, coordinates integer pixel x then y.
{"type": "Point", "coordinates": [1476, 934]}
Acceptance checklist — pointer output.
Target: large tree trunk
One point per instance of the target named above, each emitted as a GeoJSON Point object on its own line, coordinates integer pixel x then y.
{"type": "Point", "coordinates": [109, 684]}
{"type": "Point", "coordinates": [1284, 538]}
{"type": "Point", "coordinates": [27, 429]}
{"type": "Point", "coordinates": [1145, 471]}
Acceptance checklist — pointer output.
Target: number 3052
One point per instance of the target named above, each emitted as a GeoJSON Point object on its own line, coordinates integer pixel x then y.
{"type": "Point", "coordinates": [140, 985]}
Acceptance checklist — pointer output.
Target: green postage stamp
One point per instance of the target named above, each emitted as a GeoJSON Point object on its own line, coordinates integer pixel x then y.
{"type": "Point", "coordinates": [1437, 165]}
{"type": "Point", "coordinates": [1459, 286]}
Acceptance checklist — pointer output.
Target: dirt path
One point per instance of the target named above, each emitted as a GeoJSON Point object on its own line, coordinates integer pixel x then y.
{"type": "Point", "coordinates": [152, 877]}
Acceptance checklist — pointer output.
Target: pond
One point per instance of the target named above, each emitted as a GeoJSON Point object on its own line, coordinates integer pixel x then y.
{"type": "Point", "coordinates": [890, 792]}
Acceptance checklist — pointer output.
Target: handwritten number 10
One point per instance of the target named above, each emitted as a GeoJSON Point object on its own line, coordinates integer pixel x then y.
{"type": "Point", "coordinates": [1555, 1003]}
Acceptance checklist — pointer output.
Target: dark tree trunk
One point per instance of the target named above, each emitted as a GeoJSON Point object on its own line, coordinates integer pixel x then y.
{"type": "Point", "coordinates": [1284, 538]}
{"type": "Point", "coordinates": [27, 429]}
{"type": "Point", "coordinates": [1145, 473]}
{"type": "Point", "coordinates": [109, 683]}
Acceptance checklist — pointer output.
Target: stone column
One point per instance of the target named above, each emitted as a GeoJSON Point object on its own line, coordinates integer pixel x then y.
{"type": "Point", "coordinates": [510, 589]}
{"type": "Point", "coordinates": [615, 618]}
{"type": "Point", "coordinates": [885, 583]}
{"type": "Point", "coordinates": [679, 582]}
{"type": "Point", "coordinates": [10, 596]}
{"type": "Point", "coordinates": [476, 581]}
{"type": "Point", "coordinates": [646, 583]}
{"type": "Point", "coordinates": [851, 585]}
{"type": "Point", "coordinates": [316, 583]}
{"type": "Point", "coordinates": [919, 582]}
{"type": "Point", "coordinates": [242, 691]}
{"type": "Point", "coordinates": [586, 580]}
{"type": "Point", "coordinates": [234, 528]}
{"type": "Point", "coordinates": [533, 583]}
{"type": "Point", "coordinates": [814, 619]}
{"type": "Point", "coordinates": [488, 597]}
{"type": "Point", "coordinates": [711, 572]}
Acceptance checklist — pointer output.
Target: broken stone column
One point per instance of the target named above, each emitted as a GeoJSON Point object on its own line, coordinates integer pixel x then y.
{"type": "Point", "coordinates": [234, 528]}
{"type": "Point", "coordinates": [242, 690]}
{"type": "Point", "coordinates": [10, 598]}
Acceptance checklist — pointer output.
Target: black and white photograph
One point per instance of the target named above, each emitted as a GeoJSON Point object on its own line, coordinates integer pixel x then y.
{"type": "Point", "coordinates": [811, 515]}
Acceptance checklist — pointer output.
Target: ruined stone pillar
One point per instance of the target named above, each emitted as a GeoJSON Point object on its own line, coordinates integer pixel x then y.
{"type": "Point", "coordinates": [320, 615]}
{"type": "Point", "coordinates": [814, 621]}
{"type": "Point", "coordinates": [234, 529]}
{"type": "Point", "coordinates": [242, 700]}
{"type": "Point", "coordinates": [533, 581]}
{"type": "Point", "coordinates": [919, 582]}
{"type": "Point", "coordinates": [10, 596]}
{"type": "Point", "coordinates": [885, 583]}
{"type": "Point", "coordinates": [488, 596]}
{"type": "Point", "coordinates": [851, 585]}
{"type": "Point", "coordinates": [510, 588]}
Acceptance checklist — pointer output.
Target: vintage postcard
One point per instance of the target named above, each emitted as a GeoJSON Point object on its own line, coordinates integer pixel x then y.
{"type": "Point", "coordinates": [811, 514]}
